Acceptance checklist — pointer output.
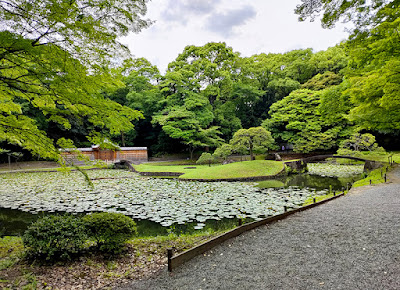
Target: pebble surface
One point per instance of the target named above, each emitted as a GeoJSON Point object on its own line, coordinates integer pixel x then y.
{"type": "Point", "coordinates": [352, 242]}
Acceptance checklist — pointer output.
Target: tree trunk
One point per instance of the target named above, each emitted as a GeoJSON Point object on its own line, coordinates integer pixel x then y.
{"type": "Point", "coordinates": [122, 139]}
{"type": "Point", "coordinates": [191, 150]}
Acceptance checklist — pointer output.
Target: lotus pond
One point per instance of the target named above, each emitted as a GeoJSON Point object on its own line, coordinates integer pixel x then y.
{"type": "Point", "coordinates": [160, 205]}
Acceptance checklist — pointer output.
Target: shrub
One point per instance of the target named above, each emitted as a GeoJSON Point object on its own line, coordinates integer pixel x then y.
{"type": "Point", "coordinates": [54, 238]}
{"type": "Point", "coordinates": [110, 230]}
{"type": "Point", "coordinates": [206, 158]}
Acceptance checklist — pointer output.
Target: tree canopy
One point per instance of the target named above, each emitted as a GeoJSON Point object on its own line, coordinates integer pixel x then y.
{"type": "Point", "coordinates": [255, 139]}
{"type": "Point", "coordinates": [65, 75]}
{"type": "Point", "coordinates": [363, 14]}
{"type": "Point", "coordinates": [54, 58]}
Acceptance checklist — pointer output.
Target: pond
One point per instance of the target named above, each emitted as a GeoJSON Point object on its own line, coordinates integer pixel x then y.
{"type": "Point", "coordinates": [158, 205]}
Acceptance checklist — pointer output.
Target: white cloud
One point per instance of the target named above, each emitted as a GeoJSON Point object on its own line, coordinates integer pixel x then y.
{"type": "Point", "coordinates": [249, 27]}
{"type": "Point", "coordinates": [224, 23]}
{"type": "Point", "coordinates": [182, 11]}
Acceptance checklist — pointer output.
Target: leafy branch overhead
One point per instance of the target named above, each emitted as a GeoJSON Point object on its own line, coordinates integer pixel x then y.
{"type": "Point", "coordinates": [54, 58]}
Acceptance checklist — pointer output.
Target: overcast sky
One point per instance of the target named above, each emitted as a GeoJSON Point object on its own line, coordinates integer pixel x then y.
{"type": "Point", "coordinates": [248, 26]}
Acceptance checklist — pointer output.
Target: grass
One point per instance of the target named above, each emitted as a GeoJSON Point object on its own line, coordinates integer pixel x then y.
{"type": "Point", "coordinates": [175, 162]}
{"type": "Point", "coordinates": [318, 198]}
{"type": "Point", "coordinates": [376, 176]}
{"type": "Point", "coordinates": [11, 250]}
{"type": "Point", "coordinates": [150, 167]}
{"type": "Point", "coordinates": [243, 169]}
{"type": "Point", "coordinates": [381, 156]}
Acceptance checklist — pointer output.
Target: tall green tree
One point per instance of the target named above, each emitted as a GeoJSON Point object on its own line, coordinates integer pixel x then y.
{"type": "Point", "coordinates": [53, 59]}
{"type": "Point", "coordinates": [374, 73]}
{"type": "Point", "coordinates": [140, 92]}
{"type": "Point", "coordinates": [186, 115]}
{"type": "Point", "coordinates": [373, 50]}
{"type": "Point", "coordinates": [298, 120]}
{"type": "Point", "coordinates": [212, 74]}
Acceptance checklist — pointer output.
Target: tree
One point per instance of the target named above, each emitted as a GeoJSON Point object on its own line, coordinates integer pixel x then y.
{"type": "Point", "coordinates": [87, 30]}
{"type": "Point", "coordinates": [53, 59]}
{"type": "Point", "coordinates": [373, 50]}
{"type": "Point", "coordinates": [363, 14]}
{"type": "Point", "coordinates": [210, 71]}
{"type": "Point", "coordinates": [374, 74]}
{"type": "Point", "coordinates": [322, 81]}
{"type": "Point", "coordinates": [246, 98]}
{"type": "Point", "coordinates": [358, 142]}
{"type": "Point", "coordinates": [205, 158]}
{"type": "Point", "coordinates": [140, 92]}
{"type": "Point", "coordinates": [297, 120]}
{"type": "Point", "coordinates": [255, 139]}
{"type": "Point", "coordinates": [186, 115]}
{"type": "Point", "coordinates": [223, 151]}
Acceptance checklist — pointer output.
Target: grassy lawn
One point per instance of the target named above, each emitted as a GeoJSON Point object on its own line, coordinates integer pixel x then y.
{"type": "Point", "coordinates": [150, 167]}
{"type": "Point", "coordinates": [243, 169]}
{"type": "Point", "coordinates": [233, 170]}
{"type": "Point", "coordinates": [374, 177]}
{"type": "Point", "coordinates": [174, 162]}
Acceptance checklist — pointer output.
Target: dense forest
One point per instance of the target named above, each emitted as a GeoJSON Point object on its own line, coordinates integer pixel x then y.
{"type": "Point", "coordinates": [61, 86]}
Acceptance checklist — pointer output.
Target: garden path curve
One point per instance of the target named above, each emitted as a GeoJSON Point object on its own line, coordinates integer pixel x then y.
{"type": "Point", "coordinates": [349, 243]}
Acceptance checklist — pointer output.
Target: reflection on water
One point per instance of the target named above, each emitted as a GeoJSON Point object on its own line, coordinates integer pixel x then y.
{"type": "Point", "coordinates": [311, 181]}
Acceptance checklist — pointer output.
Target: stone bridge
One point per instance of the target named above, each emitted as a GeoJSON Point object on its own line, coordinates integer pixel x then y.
{"type": "Point", "coordinates": [301, 164]}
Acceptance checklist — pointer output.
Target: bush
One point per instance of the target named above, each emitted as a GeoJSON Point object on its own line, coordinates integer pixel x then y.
{"type": "Point", "coordinates": [54, 238]}
{"type": "Point", "coordinates": [205, 158]}
{"type": "Point", "coordinates": [110, 230]}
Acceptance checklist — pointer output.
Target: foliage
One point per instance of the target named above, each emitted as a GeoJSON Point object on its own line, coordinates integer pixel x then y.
{"type": "Point", "coordinates": [296, 120]}
{"type": "Point", "coordinates": [359, 142]}
{"type": "Point", "coordinates": [187, 115]}
{"type": "Point", "coordinates": [255, 139]}
{"type": "Point", "coordinates": [110, 230]}
{"type": "Point", "coordinates": [87, 30]}
{"type": "Point", "coordinates": [223, 151]}
{"type": "Point", "coordinates": [54, 238]}
{"type": "Point", "coordinates": [205, 158]}
{"type": "Point", "coordinates": [363, 14]}
{"type": "Point", "coordinates": [322, 81]}
{"type": "Point", "coordinates": [54, 58]}
{"type": "Point", "coordinates": [373, 57]}
{"type": "Point", "coordinates": [141, 93]}
{"type": "Point", "coordinates": [374, 75]}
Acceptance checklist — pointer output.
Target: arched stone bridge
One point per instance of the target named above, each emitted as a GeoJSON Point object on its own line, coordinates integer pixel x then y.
{"type": "Point", "coordinates": [301, 164]}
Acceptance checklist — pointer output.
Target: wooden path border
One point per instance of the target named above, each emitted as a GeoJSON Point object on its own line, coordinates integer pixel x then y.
{"type": "Point", "coordinates": [176, 261]}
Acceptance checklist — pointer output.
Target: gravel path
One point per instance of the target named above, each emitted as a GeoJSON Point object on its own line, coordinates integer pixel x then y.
{"type": "Point", "coordinates": [350, 243]}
